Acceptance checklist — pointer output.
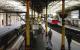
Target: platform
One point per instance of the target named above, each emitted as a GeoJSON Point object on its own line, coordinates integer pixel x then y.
{"type": "Point", "coordinates": [56, 41]}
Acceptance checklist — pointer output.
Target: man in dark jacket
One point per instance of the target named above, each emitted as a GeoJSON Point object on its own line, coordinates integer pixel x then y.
{"type": "Point", "coordinates": [49, 40]}
{"type": "Point", "coordinates": [50, 34]}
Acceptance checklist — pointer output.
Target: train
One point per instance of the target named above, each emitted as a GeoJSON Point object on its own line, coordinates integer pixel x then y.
{"type": "Point", "coordinates": [69, 20]}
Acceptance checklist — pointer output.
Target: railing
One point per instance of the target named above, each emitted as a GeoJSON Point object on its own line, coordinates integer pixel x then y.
{"type": "Point", "coordinates": [17, 43]}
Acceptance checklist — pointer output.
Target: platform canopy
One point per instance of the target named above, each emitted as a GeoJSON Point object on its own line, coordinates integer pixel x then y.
{"type": "Point", "coordinates": [70, 5]}
{"type": "Point", "coordinates": [37, 5]}
{"type": "Point", "coordinates": [20, 5]}
{"type": "Point", "coordinates": [12, 5]}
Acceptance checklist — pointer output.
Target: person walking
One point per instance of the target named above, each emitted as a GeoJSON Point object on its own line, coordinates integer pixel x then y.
{"type": "Point", "coordinates": [49, 40]}
{"type": "Point", "coordinates": [69, 38]}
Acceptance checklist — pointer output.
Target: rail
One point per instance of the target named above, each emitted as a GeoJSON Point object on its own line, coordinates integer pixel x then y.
{"type": "Point", "coordinates": [10, 37]}
{"type": "Point", "coordinates": [17, 43]}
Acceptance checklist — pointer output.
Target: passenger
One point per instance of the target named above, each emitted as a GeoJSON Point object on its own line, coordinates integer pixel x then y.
{"type": "Point", "coordinates": [31, 39]}
{"type": "Point", "coordinates": [69, 39]}
{"type": "Point", "coordinates": [17, 31]}
{"type": "Point", "coordinates": [50, 34]}
{"type": "Point", "coordinates": [40, 29]}
{"type": "Point", "coordinates": [49, 40]}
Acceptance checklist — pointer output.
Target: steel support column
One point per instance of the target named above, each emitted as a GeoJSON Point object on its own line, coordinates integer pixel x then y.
{"type": "Point", "coordinates": [38, 18]}
{"type": "Point", "coordinates": [6, 19]}
{"type": "Point", "coordinates": [34, 16]}
{"type": "Point", "coordinates": [63, 28]}
{"type": "Point", "coordinates": [27, 35]}
{"type": "Point", "coordinates": [46, 24]}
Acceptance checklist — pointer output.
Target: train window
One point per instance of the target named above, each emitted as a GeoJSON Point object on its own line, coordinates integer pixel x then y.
{"type": "Point", "coordinates": [50, 15]}
{"type": "Point", "coordinates": [75, 14]}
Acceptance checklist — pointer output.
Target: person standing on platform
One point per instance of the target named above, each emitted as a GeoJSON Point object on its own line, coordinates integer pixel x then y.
{"type": "Point", "coordinates": [69, 38]}
{"type": "Point", "coordinates": [49, 40]}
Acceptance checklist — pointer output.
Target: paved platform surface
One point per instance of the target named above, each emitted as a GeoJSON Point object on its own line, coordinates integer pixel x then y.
{"type": "Point", "coordinates": [56, 41]}
{"type": "Point", "coordinates": [39, 43]}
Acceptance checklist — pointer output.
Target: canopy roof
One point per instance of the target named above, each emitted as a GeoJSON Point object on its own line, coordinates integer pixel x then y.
{"type": "Point", "coordinates": [38, 5]}
{"type": "Point", "coordinates": [55, 7]}
{"type": "Point", "coordinates": [12, 5]}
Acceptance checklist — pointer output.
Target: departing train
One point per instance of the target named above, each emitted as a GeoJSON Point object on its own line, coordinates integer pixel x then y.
{"type": "Point", "coordinates": [53, 20]}
{"type": "Point", "coordinates": [73, 18]}
{"type": "Point", "coordinates": [70, 22]}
